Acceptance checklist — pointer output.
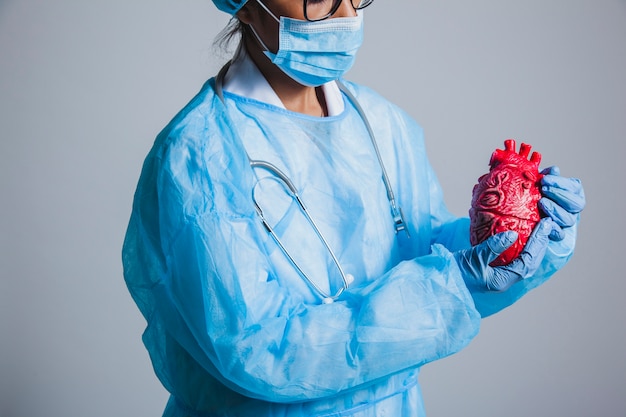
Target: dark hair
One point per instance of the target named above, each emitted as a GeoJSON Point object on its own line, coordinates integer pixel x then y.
{"type": "Point", "coordinates": [234, 31]}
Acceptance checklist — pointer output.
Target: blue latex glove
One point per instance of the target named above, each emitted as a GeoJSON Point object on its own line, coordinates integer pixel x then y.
{"type": "Point", "coordinates": [474, 262]}
{"type": "Point", "coordinates": [563, 199]}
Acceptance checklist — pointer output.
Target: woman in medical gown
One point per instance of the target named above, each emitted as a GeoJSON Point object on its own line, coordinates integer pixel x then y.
{"type": "Point", "coordinates": [254, 319]}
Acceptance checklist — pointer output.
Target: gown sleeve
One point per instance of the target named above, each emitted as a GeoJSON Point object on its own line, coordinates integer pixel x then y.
{"type": "Point", "coordinates": [195, 264]}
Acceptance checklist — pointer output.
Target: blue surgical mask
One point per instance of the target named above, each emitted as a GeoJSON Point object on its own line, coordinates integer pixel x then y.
{"type": "Point", "coordinates": [314, 53]}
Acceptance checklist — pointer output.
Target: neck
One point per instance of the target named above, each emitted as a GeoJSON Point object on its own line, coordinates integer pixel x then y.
{"type": "Point", "coordinates": [294, 96]}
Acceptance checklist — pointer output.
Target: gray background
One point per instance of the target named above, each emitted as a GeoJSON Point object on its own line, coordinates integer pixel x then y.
{"type": "Point", "coordinates": [86, 85]}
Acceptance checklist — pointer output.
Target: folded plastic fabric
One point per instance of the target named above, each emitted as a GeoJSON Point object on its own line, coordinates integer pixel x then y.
{"type": "Point", "coordinates": [233, 329]}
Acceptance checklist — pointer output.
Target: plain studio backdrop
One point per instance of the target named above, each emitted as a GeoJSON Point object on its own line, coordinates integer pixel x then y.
{"type": "Point", "coordinates": [85, 86]}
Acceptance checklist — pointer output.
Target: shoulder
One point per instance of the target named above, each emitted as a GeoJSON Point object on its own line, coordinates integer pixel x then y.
{"type": "Point", "coordinates": [191, 125]}
{"type": "Point", "coordinates": [177, 165]}
{"type": "Point", "coordinates": [385, 115]}
{"type": "Point", "coordinates": [199, 134]}
{"type": "Point", "coordinates": [380, 108]}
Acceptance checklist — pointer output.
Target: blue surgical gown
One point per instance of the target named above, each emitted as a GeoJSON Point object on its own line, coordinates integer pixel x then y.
{"type": "Point", "coordinates": [233, 329]}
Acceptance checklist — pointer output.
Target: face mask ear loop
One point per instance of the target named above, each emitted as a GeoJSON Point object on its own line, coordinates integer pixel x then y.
{"type": "Point", "coordinates": [268, 10]}
{"type": "Point", "coordinates": [258, 38]}
{"type": "Point", "coordinates": [254, 32]}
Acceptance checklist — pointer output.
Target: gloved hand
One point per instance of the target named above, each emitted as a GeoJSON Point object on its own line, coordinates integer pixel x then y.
{"type": "Point", "coordinates": [563, 199]}
{"type": "Point", "coordinates": [474, 262]}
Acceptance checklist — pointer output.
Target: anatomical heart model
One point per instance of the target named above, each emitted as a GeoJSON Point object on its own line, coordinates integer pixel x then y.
{"type": "Point", "coordinates": [506, 198]}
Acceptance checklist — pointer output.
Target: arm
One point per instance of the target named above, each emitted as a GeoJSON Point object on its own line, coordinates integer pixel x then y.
{"type": "Point", "coordinates": [219, 297]}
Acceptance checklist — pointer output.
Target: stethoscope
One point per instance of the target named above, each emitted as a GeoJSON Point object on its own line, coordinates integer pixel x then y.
{"type": "Point", "coordinates": [399, 223]}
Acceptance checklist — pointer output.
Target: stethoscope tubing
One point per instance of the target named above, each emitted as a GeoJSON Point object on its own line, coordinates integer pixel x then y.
{"type": "Point", "coordinates": [398, 217]}
{"type": "Point", "coordinates": [273, 169]}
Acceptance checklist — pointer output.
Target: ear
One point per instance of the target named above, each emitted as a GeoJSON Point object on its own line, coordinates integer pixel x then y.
{"type": "Point", "coordinates": [245, 13]}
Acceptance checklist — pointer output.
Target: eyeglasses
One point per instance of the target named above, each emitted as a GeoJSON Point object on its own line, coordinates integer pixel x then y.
{"type": "Point", "coordinates": [315, 10]}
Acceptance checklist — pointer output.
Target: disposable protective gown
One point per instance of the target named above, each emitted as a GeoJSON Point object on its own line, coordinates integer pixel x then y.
{"type": "Point", "coordinates": [233, 329]}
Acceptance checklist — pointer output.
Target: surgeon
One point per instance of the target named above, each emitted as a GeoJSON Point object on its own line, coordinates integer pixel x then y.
{"type": "Point", "coordinates": [289, 246]}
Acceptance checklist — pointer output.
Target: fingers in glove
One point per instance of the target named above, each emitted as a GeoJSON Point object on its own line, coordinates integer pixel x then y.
{"type": "Point", "coordinates": [497, 244]}
{"type": "Point", "coordinates": [553, 170]}
{"type": "Point", "coordinates": [558, 214]}
{"type": "Point", "coordinates": [557, 234]}
{"type": "Point", "coordinates": [502, 278]}
{"type": "Point", "coordinates": [531, 256]}
{"type": "Point", "coordinates": [566, 192]}
{"type": "Point", "coordinates": [537, 243]}
{"type": "Point", "coordinates": [534, 251]}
